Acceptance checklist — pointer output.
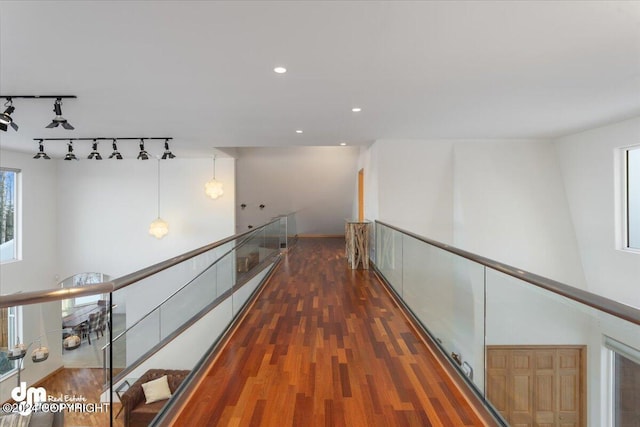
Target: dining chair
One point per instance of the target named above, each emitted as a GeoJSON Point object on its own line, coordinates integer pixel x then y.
{"type": "Point", "coordinates": [94, 325]}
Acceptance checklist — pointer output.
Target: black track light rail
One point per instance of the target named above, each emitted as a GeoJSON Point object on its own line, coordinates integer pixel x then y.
{"type": "Point", "coordinates": [144, 138]}
{"type": "Point", "coordinates": [37, 96]}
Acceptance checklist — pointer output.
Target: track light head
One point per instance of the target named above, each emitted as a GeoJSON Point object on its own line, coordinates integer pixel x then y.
{"type": "Point", "coordinates": [94, 152]}
{"type": "Point", "coordinates": [143, 155]}
{"type": "Point", "coordinates": [58, 119]}
{"type": "Point", "coordinates": [70, 155]}
{"type": "Point", "coordinates": [167, 153]}
{"type": "Point", "coordinates": [115, 153]}
{"type": "Point", "coordinates": [41, 154]}
{"type": "Point", "coordinates": [6, 119]}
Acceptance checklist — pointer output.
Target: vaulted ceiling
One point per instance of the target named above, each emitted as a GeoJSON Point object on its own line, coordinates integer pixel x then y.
{"type": "Point", "coordinates": [202, 72]}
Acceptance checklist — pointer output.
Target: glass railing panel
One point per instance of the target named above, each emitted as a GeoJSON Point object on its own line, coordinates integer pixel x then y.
{"type": "Point", "coordinates": [446, 293]}
{"type": "Point", "coordinates": [559, 347]}
{"type": "Point", "coordinates": [56, 356]}
{"type": "Point", "coordinates": [188, 301]}
{"type": "Point", "coordinates": [389, 255]}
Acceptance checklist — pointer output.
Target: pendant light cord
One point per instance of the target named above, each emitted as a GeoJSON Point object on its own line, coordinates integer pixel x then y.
{"type": "Point", "coordinates": [158, 188]}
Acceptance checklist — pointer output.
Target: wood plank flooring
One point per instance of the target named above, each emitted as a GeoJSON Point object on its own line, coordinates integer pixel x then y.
{"type": "Point", "coordinates": [325, 346]}
{"type": "Point", "coordinates": [76, 383]}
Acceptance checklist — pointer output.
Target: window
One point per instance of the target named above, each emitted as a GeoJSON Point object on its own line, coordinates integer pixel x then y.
{"type": "Point", "coordinates": [625, 383]}
{"type": "Point", "coordinates": [633, 197]}
{"type": "Point", "coordinates": [9, 333]}
{"type": "Point", "coordinates": [8, 214]}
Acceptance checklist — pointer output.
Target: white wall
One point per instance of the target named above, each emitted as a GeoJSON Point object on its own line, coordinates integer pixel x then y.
{"type": "Point", "coordinates": [94, 216]}
{"type": "Point", "coordinates": [510, 206]}
{"type": "Point", "coordinates": [314, 182]}
{"type": "Point", "coordinates": [105, 208]}
{"type": "Point", "coordinates": [37, 267]}
{"type": "Point", "coordinates": [500, 199]}
{"type": "Point", "coordinates": [415, 186]}
{"type": "Point", "coordinates": [592, 181]}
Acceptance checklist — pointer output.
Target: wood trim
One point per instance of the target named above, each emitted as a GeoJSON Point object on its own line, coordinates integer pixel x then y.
{"type": "Point", "coordinates": [361, 195]}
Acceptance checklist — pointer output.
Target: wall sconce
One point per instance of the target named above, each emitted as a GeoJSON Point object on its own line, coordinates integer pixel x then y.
{"type": "Point", "coordinates": [243, 206]}
{"type": "Point", "coordinates": [261, 207]}
{"type": "Point", "coordinates": [159, 227]}
{"type": "Point", "coordinates": [213, 188]}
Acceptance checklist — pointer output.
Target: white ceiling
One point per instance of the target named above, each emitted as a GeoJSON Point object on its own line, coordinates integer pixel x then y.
{"type": "Point", "coordinates": [202, 72]}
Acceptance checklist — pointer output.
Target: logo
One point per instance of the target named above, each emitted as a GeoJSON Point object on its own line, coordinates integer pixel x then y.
{"type": "Point", "coordinates": [27, 398]}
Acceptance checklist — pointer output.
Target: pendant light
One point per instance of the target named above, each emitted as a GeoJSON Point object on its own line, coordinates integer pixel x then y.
{"type": "Point", "coordinates": [159, 227]}
{"type": "Point", "coordinates": [213, 188]}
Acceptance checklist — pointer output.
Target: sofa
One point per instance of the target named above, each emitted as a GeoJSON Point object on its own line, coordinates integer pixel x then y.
{"type": "Point", "coordinates": [136, 411]}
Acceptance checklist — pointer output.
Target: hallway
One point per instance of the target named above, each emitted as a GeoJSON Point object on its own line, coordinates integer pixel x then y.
{"type": "Point", "coordinates": [326, 345]}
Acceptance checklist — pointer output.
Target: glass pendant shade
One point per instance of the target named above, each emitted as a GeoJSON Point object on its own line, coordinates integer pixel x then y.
{"type": "Point", "coordinates": [213, 189]}
{"type": "Point", "coordinates": [159, 228]}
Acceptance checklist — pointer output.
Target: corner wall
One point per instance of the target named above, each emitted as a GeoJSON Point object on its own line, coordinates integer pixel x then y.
{"type": "Point", "coordinates": [593, 182]}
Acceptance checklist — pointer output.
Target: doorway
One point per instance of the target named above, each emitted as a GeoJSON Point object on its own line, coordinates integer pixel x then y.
{"type": "Point", "coordinates": [538, 385]}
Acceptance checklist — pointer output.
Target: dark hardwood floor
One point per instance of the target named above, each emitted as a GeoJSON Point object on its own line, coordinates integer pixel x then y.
{"type": "Point", "coordinates": [326, 345]}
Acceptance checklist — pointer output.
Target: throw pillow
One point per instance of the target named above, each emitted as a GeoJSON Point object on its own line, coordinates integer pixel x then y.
{"type": "Point", "coordinates": [156, 390]}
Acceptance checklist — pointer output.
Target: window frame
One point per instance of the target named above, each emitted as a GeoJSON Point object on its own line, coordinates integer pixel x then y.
{"type": "Point", "coordinates": [622, 198]}
{"type": "Point", "coordinates": [14, 333]}
{"type": "Point", "coordinates": [627, 216]}
{"type": "Point", "coordinates": [17, 231]}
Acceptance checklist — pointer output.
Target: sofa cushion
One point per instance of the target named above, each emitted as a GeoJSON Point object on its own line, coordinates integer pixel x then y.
{"type": "Point", "coordinates": [146, 413]}
{"type": "Point", "coordinates": [157, 389]}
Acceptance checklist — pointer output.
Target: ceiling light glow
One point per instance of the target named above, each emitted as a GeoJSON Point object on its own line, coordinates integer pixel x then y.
{"type": "Point", "coordinates": [280, 70]}
{"type": "Point", "coordinates": [299, 131]}
{"type": "Point", "coordinates": [356, 109]}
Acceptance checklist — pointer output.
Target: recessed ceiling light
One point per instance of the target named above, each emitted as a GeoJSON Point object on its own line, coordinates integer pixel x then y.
{"type": "Point", "coordinates": [356, 109]}
{"type": "Point", "coordinates": [280, 70]}
{"type": "Point", "coordinates": [299, 131]}
{"type": "Point", "coordinates": [343, 143]}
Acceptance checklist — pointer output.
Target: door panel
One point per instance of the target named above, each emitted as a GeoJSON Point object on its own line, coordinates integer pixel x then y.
{"type": "Point", "coordinates": [539, 386]}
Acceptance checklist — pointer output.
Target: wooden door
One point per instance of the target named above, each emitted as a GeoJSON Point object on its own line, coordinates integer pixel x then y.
{"type": "Point", "coordinates": [361, 195]}
{"type": "Point", "coordinates": [541, 386]}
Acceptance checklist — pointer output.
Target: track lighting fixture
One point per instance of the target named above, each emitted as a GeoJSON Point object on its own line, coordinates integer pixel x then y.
{"type": "Point", "coordinates": [70, 155]}
{"type": "Point", "coordinates": [143, 155]}
{"type": "Point", "coordinates": [58, 119]}
{"type": "Point", "coordinates": [115, 153]}
{"type": "Point", "coordinates": [94, 151]}
{"type": "Point", "coordinates": [167, 154]}
{"type": "Point", "coordinates": [5, 117]}
{"type": "Point", "coordinates": [6, 120]}
{"type": "Point", "coordinates": [41, 154]}
{"type": "Point", "coordinates": [95, 154]}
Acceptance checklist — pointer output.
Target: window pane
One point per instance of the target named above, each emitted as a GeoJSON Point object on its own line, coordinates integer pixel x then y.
{"type": "Point", "coordinates": [626, 392]}
{"type": "Point", "coordinates": [633, 197]}
{"type": "Point", "coordinates": [7, 215]}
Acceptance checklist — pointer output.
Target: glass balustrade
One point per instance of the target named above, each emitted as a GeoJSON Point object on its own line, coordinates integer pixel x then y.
{"type": "Point", "coordinates": [535, 356]}
{"type": "Point", "coordinates": [89, 351]}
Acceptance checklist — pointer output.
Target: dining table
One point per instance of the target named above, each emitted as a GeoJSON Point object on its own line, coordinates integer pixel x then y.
{"type": "Point", "coordinates": [77, 315]}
